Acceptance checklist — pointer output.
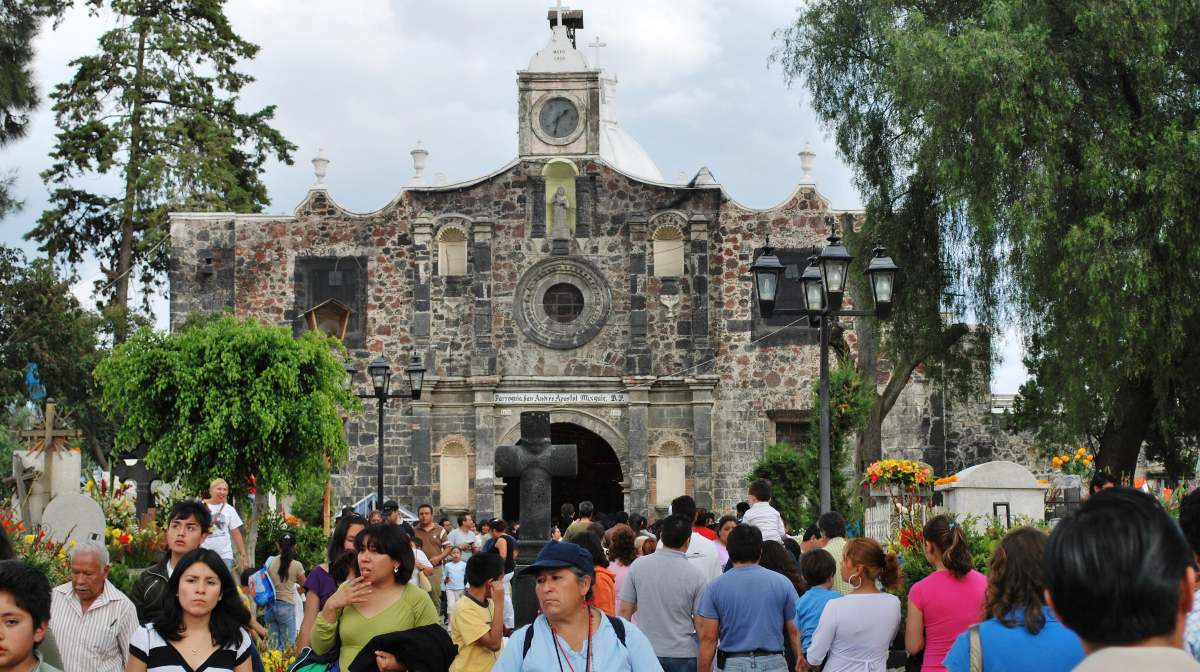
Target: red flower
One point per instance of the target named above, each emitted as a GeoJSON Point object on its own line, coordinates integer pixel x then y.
{"type": "Point", "coordinates": [41, 533]}
{"type": "Point", "coordinates": [910, 537]}
{"type": "Point", "coordinates": [50, 545]}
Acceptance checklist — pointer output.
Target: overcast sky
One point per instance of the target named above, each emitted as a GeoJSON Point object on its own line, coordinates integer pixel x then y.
{"type": "Point", "coordinates": [367, 80]}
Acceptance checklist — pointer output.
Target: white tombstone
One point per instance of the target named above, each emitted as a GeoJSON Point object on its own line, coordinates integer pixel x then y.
{"type": "Point", "coordinates": [1003, 490]}
{"type": "Point", "coordinates": [72, 516]}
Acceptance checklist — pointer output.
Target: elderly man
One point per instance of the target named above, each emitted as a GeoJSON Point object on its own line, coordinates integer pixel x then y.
{"type": "Point", "coordinates": [92, 620]}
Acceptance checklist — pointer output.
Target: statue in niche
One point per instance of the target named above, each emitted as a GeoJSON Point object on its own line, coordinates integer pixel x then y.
{"type": "Point", "coordinates": [560, 204]}
{"type": "Point", "coordinates": [560, 233]}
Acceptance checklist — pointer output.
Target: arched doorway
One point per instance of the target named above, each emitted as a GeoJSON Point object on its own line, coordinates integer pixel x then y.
{"type": "Point", "coordinates": [599, 476]}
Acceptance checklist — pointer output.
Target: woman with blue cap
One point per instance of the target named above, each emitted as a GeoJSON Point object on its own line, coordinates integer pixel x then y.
{"type": "Point", "coordinates": [569, 636]}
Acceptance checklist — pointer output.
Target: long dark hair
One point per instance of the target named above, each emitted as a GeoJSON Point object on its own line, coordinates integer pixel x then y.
{"type": "Point", "coordinates": [776, 558]}
{"type": "Point", "coordinates": [228, 617]}
{"type": "Point", "coordinates": [343, 563]}
{"type": "Point", "coordinates": [948, 538]}
{"type": "Point", "coordinates": [338, 539]}
{"type": "Point", "coordinates": [1016, 579]}
{"type": "Point", "coordinates": [287, 553]}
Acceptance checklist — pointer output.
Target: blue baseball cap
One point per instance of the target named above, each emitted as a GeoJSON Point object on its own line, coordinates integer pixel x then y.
{"type": "Point", "coordinates": [560, 554]}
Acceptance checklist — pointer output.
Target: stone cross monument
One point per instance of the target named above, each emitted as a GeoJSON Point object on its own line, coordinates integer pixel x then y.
{"type": "Point", "coordinates": [56, 467]}
{"type": "Point", "coordinates": [535, 461]}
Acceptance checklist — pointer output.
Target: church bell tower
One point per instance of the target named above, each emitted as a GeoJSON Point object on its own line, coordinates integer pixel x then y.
{"type": "Point", "coordinates": [559, 95]}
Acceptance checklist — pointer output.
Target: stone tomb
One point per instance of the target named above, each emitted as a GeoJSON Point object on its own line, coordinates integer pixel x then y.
{"type": "Point", "coordinates": [995, 490]}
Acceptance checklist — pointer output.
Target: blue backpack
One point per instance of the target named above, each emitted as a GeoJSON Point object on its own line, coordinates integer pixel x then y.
{"type": "Point", "coordinates": [262, 589]}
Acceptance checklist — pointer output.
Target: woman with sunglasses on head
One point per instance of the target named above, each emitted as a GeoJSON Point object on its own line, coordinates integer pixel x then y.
{"type": "Point", "coordinates": [202, 623]}
{"type": "Point", "coordinates": [378, 601]}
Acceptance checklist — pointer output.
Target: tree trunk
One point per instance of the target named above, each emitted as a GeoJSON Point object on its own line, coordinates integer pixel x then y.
{"type": "Point", "coordinates": [869, 447]}
{"type": "Point", "coordinates": [133, 171]}
{"type": "Point", "coordinates": [251, 536]}
{"type": "Point", "coordinates": [1126, 429]}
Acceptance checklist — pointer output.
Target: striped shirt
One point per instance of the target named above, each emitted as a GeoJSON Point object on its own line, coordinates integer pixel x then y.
{"type": "Point", "coordinates": [159, 656]}
{"type": "Point", "coordinates": [97, 640]}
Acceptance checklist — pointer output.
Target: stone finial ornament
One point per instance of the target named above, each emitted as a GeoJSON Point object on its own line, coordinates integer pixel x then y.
{"type": "Point", "coordinates": [807, 157]}
{"type": "Point", "coordinates": [320, 169]}
{"type": "Point", "coordinates": [419, 156]}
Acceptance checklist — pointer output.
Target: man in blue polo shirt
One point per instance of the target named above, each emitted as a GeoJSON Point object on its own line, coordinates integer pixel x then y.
{"type": "Point", "coordinates": [569, 635]}
{"type": "Point", "coordinates": [747, 608]}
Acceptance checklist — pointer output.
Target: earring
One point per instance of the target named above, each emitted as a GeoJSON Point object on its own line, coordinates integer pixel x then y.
{"type": "Point", "coordinates": [396, 569]}
{"type": "Point", "coordinates": [858, 585]}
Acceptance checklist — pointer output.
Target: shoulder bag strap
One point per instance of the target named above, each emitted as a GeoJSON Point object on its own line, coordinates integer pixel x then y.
{"type": "Point", "coordinates": [975, 645]}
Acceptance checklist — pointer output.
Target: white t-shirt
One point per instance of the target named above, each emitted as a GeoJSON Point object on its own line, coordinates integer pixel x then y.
{"type": "Point", "coordinates": [225, 519]}
{"type": "Point", "coordinates": [855, 632]}
{"type": "Point", "coordinates": [764, 516]}
{"type": "Point", "coordinates": [421, 561]}
{"type": "Point", "coordinates": [702, 553]}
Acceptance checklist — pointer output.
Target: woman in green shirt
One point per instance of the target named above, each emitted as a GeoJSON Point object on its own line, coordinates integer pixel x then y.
{"type": "Point", "coordinates": [378, 601]}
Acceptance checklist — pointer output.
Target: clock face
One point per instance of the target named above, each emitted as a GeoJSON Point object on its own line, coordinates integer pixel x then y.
{"type": "Point", "coordinates": [558, 118]}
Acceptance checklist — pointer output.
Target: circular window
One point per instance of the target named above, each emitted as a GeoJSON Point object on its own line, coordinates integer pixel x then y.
{"type": "Point", "coordinates": [563, 302]}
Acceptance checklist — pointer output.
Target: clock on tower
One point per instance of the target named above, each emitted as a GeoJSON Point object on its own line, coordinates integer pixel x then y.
{"type": "Point", "coordinates": [559, 96]}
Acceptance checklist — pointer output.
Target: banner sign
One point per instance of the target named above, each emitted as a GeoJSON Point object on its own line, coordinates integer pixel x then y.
{"type": "Point", "coordinates": [530, 398]}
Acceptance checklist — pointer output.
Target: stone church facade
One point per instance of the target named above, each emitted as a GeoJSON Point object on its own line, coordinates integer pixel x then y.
{"type": "Point", "coordinates": [573, 280]}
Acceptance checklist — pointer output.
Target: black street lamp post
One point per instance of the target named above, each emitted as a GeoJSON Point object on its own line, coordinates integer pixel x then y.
{"type": "Point", "coordinates": [380, 373]}
{"type": "Point", "coordinates": [823, 285]}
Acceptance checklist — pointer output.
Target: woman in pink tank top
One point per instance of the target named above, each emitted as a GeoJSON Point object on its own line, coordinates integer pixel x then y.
{"type": "Point", "coordinates": [947, 602]}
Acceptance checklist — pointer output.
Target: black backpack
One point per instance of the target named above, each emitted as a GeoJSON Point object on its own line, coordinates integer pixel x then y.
{"type": "Point", "coordinates": [616, 623]}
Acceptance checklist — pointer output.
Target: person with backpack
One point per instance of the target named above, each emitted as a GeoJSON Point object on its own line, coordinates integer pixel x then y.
{"type": "Point", "coordinates": [284, 571]}
{"type": "Point", "coordinates": [568, 633]}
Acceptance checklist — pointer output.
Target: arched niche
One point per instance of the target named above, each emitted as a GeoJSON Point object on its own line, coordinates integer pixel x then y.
{"type": "Point", "coordinates": [560, 173]}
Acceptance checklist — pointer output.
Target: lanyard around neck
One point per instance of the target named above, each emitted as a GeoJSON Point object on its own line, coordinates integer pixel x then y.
{"type": "Point", "coordinates": [559, 650]}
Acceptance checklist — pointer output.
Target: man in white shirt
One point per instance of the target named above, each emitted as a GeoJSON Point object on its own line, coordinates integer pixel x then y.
{"type": "Point", "coordinates": [92, 621]}
{"type": "Point", "coordinates": [761, 514]}
{"type": "Point", "coordinates": [701, 552]}
{"type": "Point", "coordinates": [463, 537]}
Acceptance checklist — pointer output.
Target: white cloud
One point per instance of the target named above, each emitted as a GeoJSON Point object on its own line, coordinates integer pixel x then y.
{"type": "Point", "coordinates": [366, 80]}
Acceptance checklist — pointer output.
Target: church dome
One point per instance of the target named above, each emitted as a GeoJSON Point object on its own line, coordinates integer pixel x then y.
{"type": "Point", "coordinates": [617, 147]}
{"type": "Point", "coordinates": [622, 152]}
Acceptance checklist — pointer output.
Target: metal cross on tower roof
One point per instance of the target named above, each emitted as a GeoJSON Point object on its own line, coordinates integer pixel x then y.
{"type": "Point", "coordinates": [597, 45]}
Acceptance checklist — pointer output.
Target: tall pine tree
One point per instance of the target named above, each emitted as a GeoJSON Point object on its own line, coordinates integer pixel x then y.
{"type": "Point", "coordinates": [157, 107]}
{"type": "Point", "coordinates": [19, 24]}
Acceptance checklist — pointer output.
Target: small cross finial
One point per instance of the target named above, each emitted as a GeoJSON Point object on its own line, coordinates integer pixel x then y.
{"type": "Point", "coordinates": [596, 45]}
{"type": "Point", "coordinates": [558, 11]}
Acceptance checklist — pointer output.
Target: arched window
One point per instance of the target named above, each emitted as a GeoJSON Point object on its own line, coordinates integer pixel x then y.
{"type": "Point", "coordinates": [452, 251]}
{"type": "Point", "coordinates": [455, 479]}
{"type": "Point", "coordinates": [670, 474]}
{"type": "Point", "coordinates": [668, 252]}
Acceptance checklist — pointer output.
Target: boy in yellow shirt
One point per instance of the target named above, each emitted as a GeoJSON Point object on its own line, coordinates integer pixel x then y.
{"type": "Point", "coordinates": [477, 626]}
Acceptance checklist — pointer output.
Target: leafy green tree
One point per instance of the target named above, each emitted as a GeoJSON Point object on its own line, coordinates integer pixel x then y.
{"type": "Point", "coordinates": [42, 322]}
{"type": "Point", "coordinates": [20, 21]}
{"type": "Point", "coordinates": [230, 398]}
{"type": "Point", "coordinates": [794, 471]}
{"type": "Point", "coordinates": [1058, 143]}
{"type": "Point", "coordinates": [905, 212]}
{"type": "Point", "coordinates": [157, 106]}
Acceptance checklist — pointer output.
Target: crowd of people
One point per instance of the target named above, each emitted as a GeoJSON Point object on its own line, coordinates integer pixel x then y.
{"type": "Point", "coordinates": [1112, 587]}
